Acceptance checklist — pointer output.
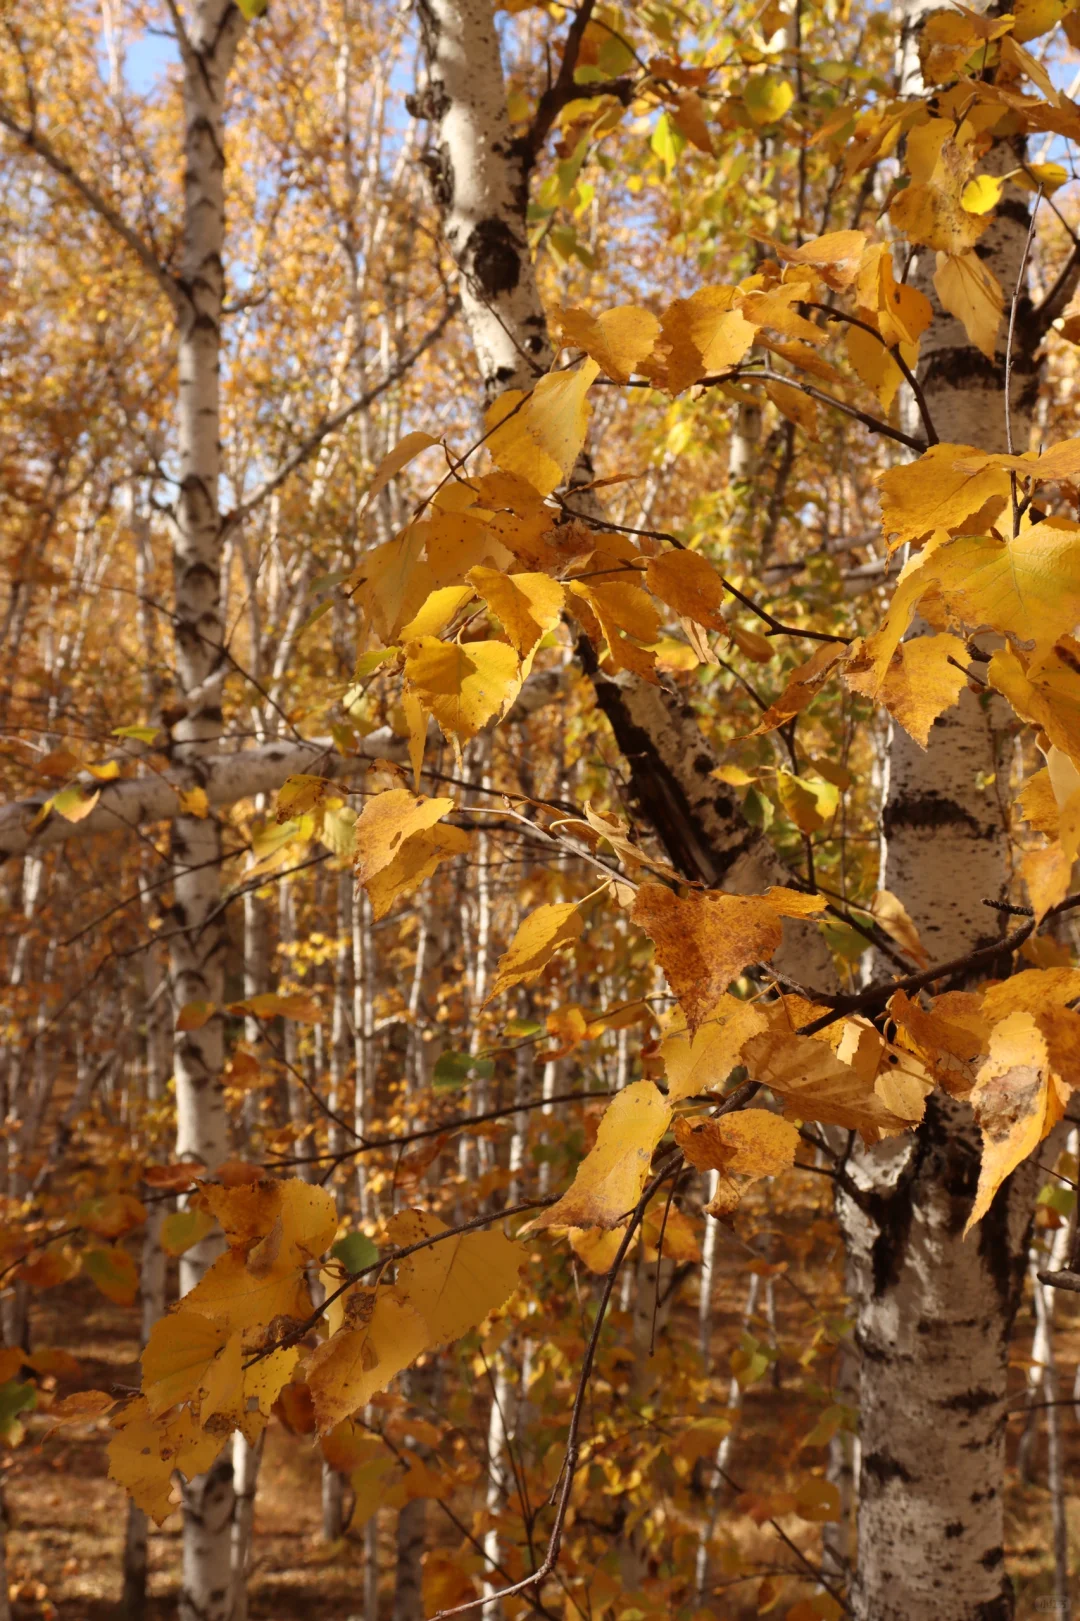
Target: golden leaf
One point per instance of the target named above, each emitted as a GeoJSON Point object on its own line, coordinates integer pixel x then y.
{"type": "Point", "coordinates": [463, 686]}
{"type": "Point", "coordinates": [969, 290]}
{"type": "Point", "coordinates": [539, 436]}
{"type": "Point", "coordinates": [526, 605]}
{"type": "Point", "coordinates": [817, 1085]}
{"type": "Point", "coordinates": [702, 1063]}
{"type": "Point", "coordinates": [392, 463]}
{"type": "Point", "coordinates": [687, 582]}
{"type": "Point", "coordinates": [619, 340]}
{"type": "Point", "coordinates": [704, 941]}
{"type": "Point", "coordinates": [536, 941]}
{"type": "Point", "coordinates": [836, 257]}
{"type": "Point", "coordinates": [803, 686]}
{"type": "Point", "coordinates": [704, 333]}
{"type": "Point", "coordinates": [610, 1178]}
{"type": "Point", "coordinates": [177, 1358]}
{"type": "Point", "coordinates": [936, 492]}
{"type": "Point", "coordinates": [455, 1283]}
{"type": "Point", "coordinates": [741, 1147]}
{"type": "Point", "coordinates": [810, 802]}
{"type": "Point", "coordinates": [415, 861]}
{"type": "Point", "coordinates": [1010, 1100]}
{"type": "Point", "coordinates": [890, 912]}
{"type": "Point", "coordinates": [925, 678]}
{"type": "Point", "coordinates": [388, 821]}
{"type": "Point", "coordinates": [382, 1334]}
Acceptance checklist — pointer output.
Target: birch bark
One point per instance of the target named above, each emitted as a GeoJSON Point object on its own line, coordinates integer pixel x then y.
{"type": "Point", "coordinates": [208, 39]}
{"type": "Point", "coordinates": [933, 1311]}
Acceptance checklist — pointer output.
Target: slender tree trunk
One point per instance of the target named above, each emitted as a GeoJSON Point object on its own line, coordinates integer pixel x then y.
{"type": "Point", "coordinates": [934, 1310]}
{"type": "Point", "coordinates": [208, 44]}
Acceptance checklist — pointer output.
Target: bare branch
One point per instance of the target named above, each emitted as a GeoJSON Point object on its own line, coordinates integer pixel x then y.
{"type": "Point", "coordinates": [32, 139]}
{"type": "Point", "coordinates": [337, 420]}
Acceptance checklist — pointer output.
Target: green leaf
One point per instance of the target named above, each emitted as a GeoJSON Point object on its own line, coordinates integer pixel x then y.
{"type": "Point", "coordinates": [355, 1251]}
{"type": "Point", "coordinates": [15, 1398]}
{"type": "Point", "coordinates": [522, 1027]}
{"type": "Point", "coordinates": [1058, 1198]}
{"type": "Point", "coordinates": [453, 1070]}
{"type": "Point", "coordinates": [138, 734]}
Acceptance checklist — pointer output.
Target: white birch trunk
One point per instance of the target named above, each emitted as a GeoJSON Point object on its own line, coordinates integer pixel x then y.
{"type": "Point", "coordinates": [934, 1311]}
{"type": "Point", "coordinates": [208, 45]}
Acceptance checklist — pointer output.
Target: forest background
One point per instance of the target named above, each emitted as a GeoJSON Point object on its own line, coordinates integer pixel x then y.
{"type": "Point", "coordinates": [540, 754]}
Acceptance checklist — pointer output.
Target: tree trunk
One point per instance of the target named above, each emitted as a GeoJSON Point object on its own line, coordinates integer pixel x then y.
{"type": "Point", "coordinates": [207, 46]}
{"type": "Point", "coordinates": [933, 1310]}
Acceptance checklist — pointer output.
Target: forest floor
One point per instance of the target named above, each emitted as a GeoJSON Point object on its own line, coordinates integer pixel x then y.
{"type": "Point", "coordinates": [65, 1547]}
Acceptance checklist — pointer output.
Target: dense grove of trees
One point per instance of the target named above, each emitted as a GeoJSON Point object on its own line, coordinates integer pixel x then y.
{"type": "Point", "coordinates": [540, 747]}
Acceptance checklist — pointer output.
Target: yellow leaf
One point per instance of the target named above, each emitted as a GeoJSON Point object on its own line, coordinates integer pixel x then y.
{"type": "Point", "coordinates": [275, 1229]}
{"type": "Point", "coordinates": [73, 804]}
{"type": "Point", "coordinates": [437, 611]}
{"type": "Point", "coordinates": [921, 682]}
{"type": "Point", "coordinates": [539, 436]}
{"type": "Point", "coordinates": [370, 1483]}
{"type": "Point", "coordinates": [392, 581]}
{"type": "Point", "coordinates": [619, 339]}
{"type": "Point", "coordinates": [388, 821]}
{"type": "Point", "coordinates": [381, 1335]}
{"type": "Point", "coordinates": [392, 463]}
{"type": "Point", "coordinates": [1047, 875]}
{"type": "Point", "coordinates": [796, 902]}
{"type": "Point", "coordinates": [1045, 692]}
{"type": "Point", "coordinates": [803, 686]}
{"type": "Point", "coordinates": [1035, 17]}
{"type": "Point", "coordinates": [741, 1147]}
{"type": "Point", "coordinates": [143, 1455]}
{"type": "Point", "coordinates": [1009, 1100]}
{"type": "Point", "coordinates": [290, 1223]}
{"type": "Point", "coordinates": [982, 194]}
{"type": "Point", "coordinates": [969, 290]}
{"type": "Point", "coordinates": [687, 582]}
{"type": "Point", "coordinates": [704, 333]}
{"type": "Point", "coordinates": [275, 1005]}
{"type": "Point", "coordinates": [932, 214]}
{"type": "Point", "coordinates": [298, 794]}
{"type": "Point", "coordinates": [936, 492]}
{"type": "Point", "coordinates": [610, 1178]}
{"type": "Point", "coordinates": [689, 119]}
{"type": "Point", "coordinates": [526, 605]}
{"type": "Point", "coordinates": [903, 313]}
{"type": "Point", "coordinates": [874, 364]}
{"type": "Point", "coordinates": [889, 910]}
{"type": "Point", "coordinates": [810, 802]}
{"type": "Point", "coordinates": [536, 941]}
{"type": "Point", "coordinates": [416, 861]}
{"type": "Point", "coordinates": [796, 406]}
{"type": "Point", "coordinates": [455, 1283]}
{"type": "Point", "coordinates": [704, 941]}
{"type": "Point", "coordinates": [193, 802]}
{"type": "Point", "coordinates": [836, 256]}
{"type": "Point", "coordinates": [817, 1085]}
{"type": "Point", "coordinates": [463, 686]}
{"type": "Point", "coordinates": [176, 1358]}
{"type": "Point", "coordinates": [767, 97]}
{"type": "Point", "coordinates": [263, 1383]}
{"type": "Point", "coordinates": [1050, 176]}
{"type": "Point", "coordinates": [115, 1273]}
{"type": "Point", "coordinates": [626, 616]}
{"type": "Point", "coordinates": [702, 1063]}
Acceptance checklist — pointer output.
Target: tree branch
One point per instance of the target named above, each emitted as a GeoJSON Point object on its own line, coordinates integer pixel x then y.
{"type": "Point", "coordinates": [31, 138]}
{"type": "Point", "coordinates": [336, 420]}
